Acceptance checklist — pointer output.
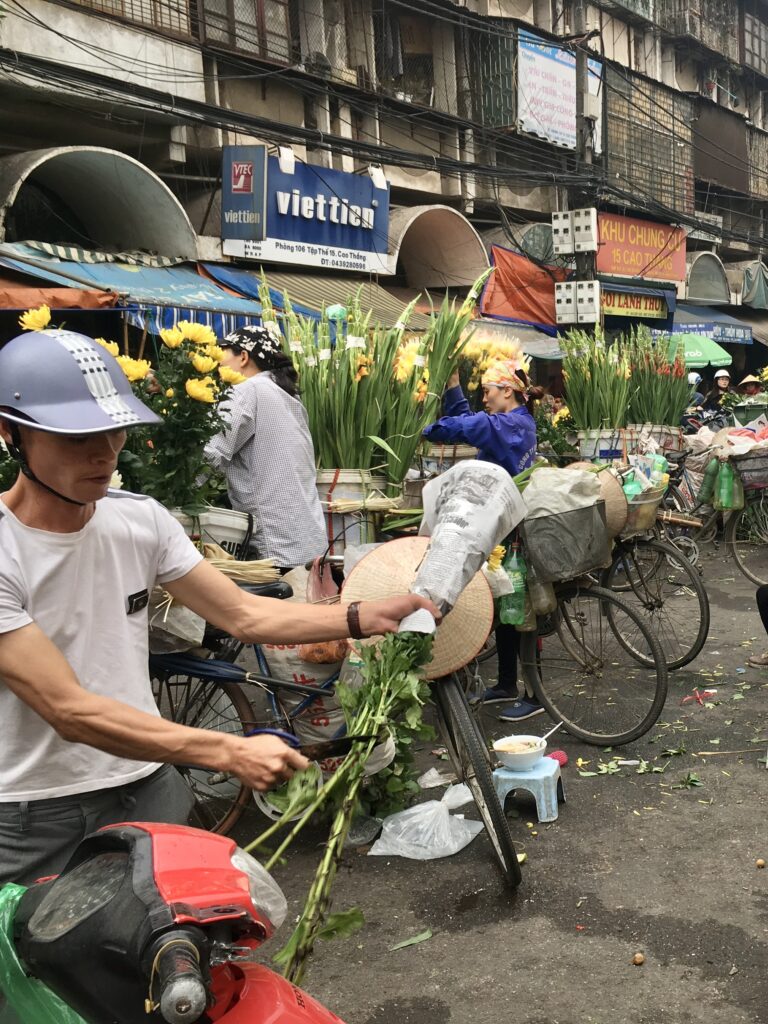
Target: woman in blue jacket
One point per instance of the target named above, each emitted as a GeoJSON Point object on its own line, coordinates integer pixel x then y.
{"type": "Point", "coordinates": [505, 434]}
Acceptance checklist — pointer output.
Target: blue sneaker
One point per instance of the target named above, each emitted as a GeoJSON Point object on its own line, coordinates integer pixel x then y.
{"type": "Point", "coordinates": [497, 695]}
{"type": "Point", "coordinates": [520, 710]}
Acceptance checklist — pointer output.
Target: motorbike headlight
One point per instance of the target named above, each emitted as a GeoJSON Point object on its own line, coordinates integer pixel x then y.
{"type": "Point", "coordinates": [266, 894]}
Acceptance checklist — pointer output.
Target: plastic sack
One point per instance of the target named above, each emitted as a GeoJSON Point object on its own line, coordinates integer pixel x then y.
{"type": "Point", "coordinates": [428, 831]}
{"type": "Point", "coordinates": [569, 544]}
{"type": "Point", "coordinates": [551, 491]}
{"type": "Point", "coordinates": [22, 998]}
{"type": "Point", "coordinates": [173, 628]}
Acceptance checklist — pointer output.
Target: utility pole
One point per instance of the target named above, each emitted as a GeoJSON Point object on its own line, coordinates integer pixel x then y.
{"type": "Point", "coordinates": [585, 261]}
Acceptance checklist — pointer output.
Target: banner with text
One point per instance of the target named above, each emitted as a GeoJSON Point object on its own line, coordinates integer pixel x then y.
{"type": "Point", "coordinates": [243, 192]}
{"type": "Point", "coordinates": [638, 304]}
{"type": "Point", "coordinates": [318, 217]}
{"type": "Point", "coordinates": [546, 91]}
{"type": "Point", "coordinates": [630, 247]}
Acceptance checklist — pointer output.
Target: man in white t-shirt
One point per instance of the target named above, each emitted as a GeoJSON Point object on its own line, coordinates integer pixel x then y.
{"type": "Point", "coordinates": [81, 741]}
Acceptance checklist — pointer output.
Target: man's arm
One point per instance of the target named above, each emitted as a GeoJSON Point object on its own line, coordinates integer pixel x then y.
{"type": "Point", "coordinates": [268, 620]}
{"type": "Point", "coordinates": [37, 672]}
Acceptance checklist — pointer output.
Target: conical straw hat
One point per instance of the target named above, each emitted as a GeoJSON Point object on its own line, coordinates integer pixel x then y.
{"type": "Point", "coordinates": [390, 570]}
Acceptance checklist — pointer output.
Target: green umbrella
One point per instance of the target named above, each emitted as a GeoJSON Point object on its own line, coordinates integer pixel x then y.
{"type": "Point", "coordinates": [699, 351]}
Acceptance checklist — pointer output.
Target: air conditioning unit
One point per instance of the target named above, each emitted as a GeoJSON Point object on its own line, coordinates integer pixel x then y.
{"type": "Point", "coordinates": [562, 232]}
{"type": "Point", "coordinates": [565, 302]}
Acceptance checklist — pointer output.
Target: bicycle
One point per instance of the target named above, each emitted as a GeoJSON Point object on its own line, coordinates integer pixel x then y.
{"type": "Point", "coordinates": [665, 589]}
{"type": "Point", "coordinates": [578, 669]}
{"type": "Point", "coordinates": [211, 693]}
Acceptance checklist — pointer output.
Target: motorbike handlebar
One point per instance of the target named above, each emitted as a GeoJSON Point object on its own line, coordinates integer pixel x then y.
{"type": "Point", "coordinates": [178, 981]}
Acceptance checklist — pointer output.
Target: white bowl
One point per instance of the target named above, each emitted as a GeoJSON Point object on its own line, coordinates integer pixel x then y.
{"type": "Point", "coordinates": [521, 760]}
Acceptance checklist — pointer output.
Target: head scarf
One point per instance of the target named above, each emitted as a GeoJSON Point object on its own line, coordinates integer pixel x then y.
{"type": "Point", "coordinates": [503, 373]}
{"type": "Point", "coordinates": [261, 343]}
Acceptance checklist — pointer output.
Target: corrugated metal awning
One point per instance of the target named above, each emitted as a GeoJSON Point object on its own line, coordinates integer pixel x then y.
{"type": "Point", "coordinates": [317, 291]}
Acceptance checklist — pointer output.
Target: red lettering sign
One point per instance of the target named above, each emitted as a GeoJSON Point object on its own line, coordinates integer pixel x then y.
{"type": "Point", "coordinates": [242, 176]}
{"type": "Point", "coordinates": [629, 247]}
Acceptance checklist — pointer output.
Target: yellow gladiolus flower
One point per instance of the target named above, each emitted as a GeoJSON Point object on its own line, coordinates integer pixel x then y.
{"type": "Point", "coordinates": [35, 319]}
{"type": "Point", "coordinates": [172, 338]}
{"type": "Point", "coordinates": [495, 557]}
{"type": "Point", "coordinates": [202, 363]}
{"type": "Point", "coordinates": [134, 369]}
{"type": "Point", "coordinates": [230, 376]}
{"type": "Point", "coordinates": [201, 389]}
{"type": "Point", "coordinates": [405, 359]}
{"type": "Point", "coordinates": [198, 334]}
{"type": "Point", "coordinates": [110, 346]}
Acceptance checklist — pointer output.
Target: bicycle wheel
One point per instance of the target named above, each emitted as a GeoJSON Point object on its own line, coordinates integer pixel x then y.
{"type": "Point", "coordinates": [661, 585]}
{"type": "Point", "coordinates": [746, 536]}
{"type": "Point", "coordinates": [218, 706]}
{"type": "Point", "coordinates": [471, 761]}
{"type": "Point", "coordinates": [584, 675]}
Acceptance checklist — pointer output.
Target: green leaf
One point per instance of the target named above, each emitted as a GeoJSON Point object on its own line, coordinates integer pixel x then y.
{"type": "Point", "coordinates": [383, 444]}
{"type": "Point", "coordinates": [588, 775]}
{"type": "Point", "coordinates": [342, 924]}
{"type": "Point", "coordinates": [421, 937]}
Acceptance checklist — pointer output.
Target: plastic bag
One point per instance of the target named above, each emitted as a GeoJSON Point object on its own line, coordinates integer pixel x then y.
{"type": "Point", "coordinates": [428, 831]}
{"type": "Point", "coordinates": [173, 628]}
{"type": "Point", "coordinates": [28, 1000]}
{"type": "Point", "coordinates": [551, 491]}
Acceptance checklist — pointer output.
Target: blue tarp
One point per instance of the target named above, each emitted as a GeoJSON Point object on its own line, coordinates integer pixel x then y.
{"type": "Point", "coordinates": [154, 297]}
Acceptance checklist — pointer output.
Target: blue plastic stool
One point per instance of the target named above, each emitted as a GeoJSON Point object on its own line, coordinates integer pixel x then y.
{"type": "Point", "coordinates": [543, 781]}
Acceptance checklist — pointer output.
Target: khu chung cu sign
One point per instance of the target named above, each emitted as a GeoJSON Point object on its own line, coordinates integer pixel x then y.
{"type": "Point", "coordinates": [312, 216]}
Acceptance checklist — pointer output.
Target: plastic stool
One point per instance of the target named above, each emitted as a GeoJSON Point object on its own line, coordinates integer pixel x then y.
{"type": "Point", "coordinates": [543, 781]}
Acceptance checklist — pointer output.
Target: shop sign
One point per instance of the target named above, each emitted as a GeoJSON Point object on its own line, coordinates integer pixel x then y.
{"type": "Point", "coordinates": [313, 216]}
{"type": "Point", "coordinates": [637, 304]}
{"type": "Point", "coordinates": [546, 91]}
{"type": "Point", "coordinates": [243, 192]}
{"type": "Point", "coordinates": [630, 247]}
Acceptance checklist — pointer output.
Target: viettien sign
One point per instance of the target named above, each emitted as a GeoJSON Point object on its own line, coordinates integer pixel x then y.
{"type": "Point", "coordinates": [629, 247]}
{"type": "Point", "coordinates": [313, 216]}
{"type": "Point", "coordinates": [637, 304]}
{"type": "Point", "coordinates": [243, 192]}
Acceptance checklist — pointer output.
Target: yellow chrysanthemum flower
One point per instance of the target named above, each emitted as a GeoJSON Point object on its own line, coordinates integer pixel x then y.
{"type": "Point", "coordinates": [202, 363]}
{"type": "Point", "coordinates": [198, 334]}
{"type": "Point", "coordinates": [561, 414]}
{"type": "Point", "coordinates": [35, 319]}
{"type": "Point", "coordinates": [172, 338]}
{"type": "Point", "coordinates": [495, 557]}
{"type": "Point", "coordinates": [134, 369]}
{"type": "Point", "coordinates": [110, 346]}
{"type": "Point", "coordinates": [214, 352]}
{"type": "Point", "coordinates": [230, 376]}
{"type": "Point", "coordinates": [201, 389]}
{"type": "Point", "coordinates": [170, 393]}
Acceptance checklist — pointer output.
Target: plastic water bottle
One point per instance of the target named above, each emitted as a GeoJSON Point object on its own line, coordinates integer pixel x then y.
{"type": "Point", "coordinates": [512, 606]}
{"type": "Point", "coordinates": [542, 595]}
{"type": "Point", "coordinates": [707, 489]}
{"type": "Point", "coordinates": [725, 486]}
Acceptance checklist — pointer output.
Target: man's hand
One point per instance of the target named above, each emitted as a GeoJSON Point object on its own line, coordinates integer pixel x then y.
{"type": "Point", "coordinates": [454, 380]}
{"type": "Point", "coordinates": [261, 762]}
{"type": "Point", "coordinates": [384, 616]}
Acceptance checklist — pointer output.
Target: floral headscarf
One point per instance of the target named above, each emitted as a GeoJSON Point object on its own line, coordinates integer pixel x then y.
{"type": "Point", "coordinates": [504, 372]}
{"type": "Point", "coordinates": [260, 342]}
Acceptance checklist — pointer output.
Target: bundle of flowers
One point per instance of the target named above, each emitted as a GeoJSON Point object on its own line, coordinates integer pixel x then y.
{"type": "Point", "coordinates": [660, 392]}
{"type": "Point", "coordinates": [483, 348]}
{"type": "Point", "coordinates": [597, 380]}
{"type": "Point", "coordinates": [369, 390]}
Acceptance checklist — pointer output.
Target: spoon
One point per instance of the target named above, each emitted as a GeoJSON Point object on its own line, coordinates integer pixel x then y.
{"type": "Point", "coordinates": [548, 734]}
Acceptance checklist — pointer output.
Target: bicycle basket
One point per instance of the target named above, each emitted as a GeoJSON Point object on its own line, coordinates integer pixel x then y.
{"type": "Point", "coordinates": [567, 544]}
{"type": "Point", "coordinates": [752, 467]}
{"type": "Point", "coordinates": [642, 512]}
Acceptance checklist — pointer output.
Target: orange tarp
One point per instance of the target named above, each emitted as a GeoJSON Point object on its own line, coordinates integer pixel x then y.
{"type": "Point", "coordinates": [21, 296]}
{"type": "Point", "coordinates": [520, 290]}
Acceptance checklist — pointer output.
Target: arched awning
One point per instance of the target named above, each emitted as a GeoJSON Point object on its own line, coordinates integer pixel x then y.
{"type": "Point", "coordinates": [436, 246]}
{"type": "Point", "coordinates": [113, 200]}
{"type": "Point", "coordinates": [707, 282]}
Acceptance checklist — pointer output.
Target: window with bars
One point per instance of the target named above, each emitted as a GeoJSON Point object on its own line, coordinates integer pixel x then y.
{"type": "Point", "coordinates": [258, 27]}
{"type": "Point", "coordinates": [166, 15]}
{"type": "Point", "coordinates": [756, 40]}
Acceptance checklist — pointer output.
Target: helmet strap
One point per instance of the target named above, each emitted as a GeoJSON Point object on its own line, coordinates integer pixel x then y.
{"type": "Point", "coordinates": [16, 452]}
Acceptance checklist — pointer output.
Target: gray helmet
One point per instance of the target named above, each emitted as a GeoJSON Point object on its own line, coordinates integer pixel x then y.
{"type": "Point", "coordinates": [64, 383]}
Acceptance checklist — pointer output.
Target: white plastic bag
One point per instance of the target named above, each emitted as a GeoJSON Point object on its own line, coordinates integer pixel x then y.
{"type": "Point", "coordinates": [551, 491]}
{"type": "Point", "coordinates": [428, 831]}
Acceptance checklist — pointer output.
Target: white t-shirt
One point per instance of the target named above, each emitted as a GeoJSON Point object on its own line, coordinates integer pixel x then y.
{"type": "Point", "coordinates": [86, 591]}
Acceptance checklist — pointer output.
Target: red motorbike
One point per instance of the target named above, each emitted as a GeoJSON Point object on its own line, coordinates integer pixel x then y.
{"type": "Point", "coordinates": [160, 923]}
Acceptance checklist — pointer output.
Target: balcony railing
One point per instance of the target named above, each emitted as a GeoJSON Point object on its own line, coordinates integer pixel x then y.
{"type": "Point", "coordinates": [170, 16]}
